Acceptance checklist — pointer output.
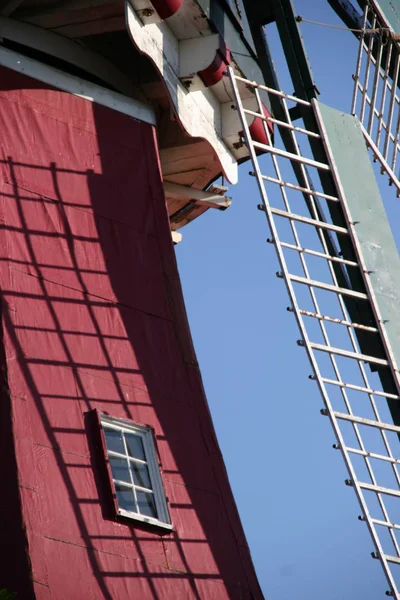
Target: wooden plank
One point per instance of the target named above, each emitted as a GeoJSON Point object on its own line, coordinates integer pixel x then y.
{"type": "Point", "coordinates": [58, 16]}
{"type": "Point", "coordinates": [79, 30]}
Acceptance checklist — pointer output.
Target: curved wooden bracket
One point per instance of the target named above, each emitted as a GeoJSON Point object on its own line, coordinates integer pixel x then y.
{"type": "Point", "coordinates": [216, 69]}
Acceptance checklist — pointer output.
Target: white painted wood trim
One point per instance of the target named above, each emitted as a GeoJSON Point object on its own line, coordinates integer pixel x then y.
{"type": "Point", "coordinates": [203, 197]}
{"type": "Point", "coordinates": [67, 50]}
{"type": "Point", "coordinates": [197, 54]}
{"type": "Point", "coordinates": [199, 111]}
{"type": "Point", "coordinates": [76, 86]}
{"type": "Point", "coordinates": [176, 237]}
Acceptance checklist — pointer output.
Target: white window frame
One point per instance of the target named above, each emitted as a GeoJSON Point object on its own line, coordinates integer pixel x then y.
{"type": "Point", "coordinates": [146, 435]}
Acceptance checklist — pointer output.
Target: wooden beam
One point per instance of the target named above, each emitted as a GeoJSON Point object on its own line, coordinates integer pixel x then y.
{"type": "Point", "coordinates": [213, 199]}
{"type": "Point", "coordinates": [62, 14]}
{"type": "Point", "coordinates": [176, 237]}
{"type": "Point", "coordinates": [7, 7]}
{"type": "Point", "coordinates": [67, 50]}
{"type": "Point", "coordinates": [57, 8]}
{"type": "Point", "coordinates": [80, 30]}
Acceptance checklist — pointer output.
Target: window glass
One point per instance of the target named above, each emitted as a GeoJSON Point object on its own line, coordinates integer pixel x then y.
{"type": "Point", "coordinates": [119, 468]}
{"type": "Point", "coordinates": [135, 446]}
{"type": "Point", "coordinates": [140, 474]}
{"type": "Point", "coordinates": [135, 472]}
{"type": "Point", "coordinates": [114, 440]}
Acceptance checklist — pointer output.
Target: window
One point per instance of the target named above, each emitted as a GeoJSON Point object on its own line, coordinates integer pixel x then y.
{"type": "Point", "coordinates": [135, 472]}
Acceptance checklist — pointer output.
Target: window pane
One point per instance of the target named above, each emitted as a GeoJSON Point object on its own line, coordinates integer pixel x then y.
{"type": "Point", "coordinates": [135, 446]}
{"type": "Point", "coordinates": [114, 440]}
{"type": "Point", "coordinates": [141, 475]}
{"type": "Point", "coordinates": [146, 504]}
{"type": "Point", "coordinates": [119, 469]}
{"type": "Point", "coordinates": [125, 498]}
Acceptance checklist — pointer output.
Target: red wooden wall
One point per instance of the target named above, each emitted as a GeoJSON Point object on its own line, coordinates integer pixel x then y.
{"type": "Point", "coordinates": [93, 318]}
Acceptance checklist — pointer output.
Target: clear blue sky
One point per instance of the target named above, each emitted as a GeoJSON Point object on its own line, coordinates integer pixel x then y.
{"type": "Point", "coordinates": [299, 517]}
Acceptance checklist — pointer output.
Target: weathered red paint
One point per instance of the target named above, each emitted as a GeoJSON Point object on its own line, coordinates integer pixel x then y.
{"type": "Point", "coordinates": [257, 128]}
{"type": "Point", "coordinates": [213, 74]}
{"type": "Point", "coordinates": [93, 318]}
{"type": "Point", "coordinates": [166, 8]}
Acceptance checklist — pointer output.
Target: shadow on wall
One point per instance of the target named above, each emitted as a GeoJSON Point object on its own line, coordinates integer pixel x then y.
{"type": "Point", "coordinates": [93, 318]}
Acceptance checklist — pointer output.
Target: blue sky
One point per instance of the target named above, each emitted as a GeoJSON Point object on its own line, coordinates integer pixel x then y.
{"type": "Point", "coordinates": [299, 517]}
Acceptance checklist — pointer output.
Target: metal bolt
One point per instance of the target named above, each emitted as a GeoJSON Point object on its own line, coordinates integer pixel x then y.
{"type": "Point", "coordinates": [300, 343]}
{"type": "Point", "coordinates": [270, 241]}
{"type": "Point", "coordinates": [374, 555]}
{"type": "Point", "coordinates": [336, 446]}
{"type": "Point", "coordinates": [279, 274]}
{"type": "Point", "coordinates": [324, 412]}
{"type": "Point", "coordinates": [361, 518]}
{"type": "Point", "coordinates": [348, 482]}
{"type": "Point", "coordinates": [261, 207]}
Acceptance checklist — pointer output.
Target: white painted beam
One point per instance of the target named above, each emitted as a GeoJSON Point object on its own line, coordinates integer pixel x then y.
{"type": "Point", "coordinates": [199, 112]}
{"type": "Point", "coordinates": [79, 87]}
{"type": "Point", "coordinates": [197, 54]}
{"type": "Point", "coordinates": [73, 53]}
{"type": "Point", "coordinates": [176, 237]}
{"type": "Point", "coordinates": [212, 199]}
{"type": "Point", "coordinates": [8, 7]}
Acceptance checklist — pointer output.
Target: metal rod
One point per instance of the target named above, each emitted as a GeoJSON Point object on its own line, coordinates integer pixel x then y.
{"type": "Point", "coordinates": [375, 85]}
{"type": "Point", "coordinates": [291, 156]}
{"type": "Point", "coordinates": [396, 142]}
{"type": "Point", "coordinates": [367, 422]}
{"type": "Point", "coordinates": [308, 221]}
{"type": "Point", "coordinates": [395, 461]}
{"type": "Point", "coordinates": [391, 135]}
{"type": "Point", "coordinates": [359, 388]}
{"type": "Point", "coordinates": [359, 59]}
{"type": "Point", "coordinates": [380, 157]}
{"type": "Point", "coordinates": [328, 287]}
{"type": "Point", "coordinates": [281, 123]}
{"type": "Point", "coordinates": [308, 313]}
{"type": "Point", "coordinates": [392, 559]}
{"type": "Point", "coordinates": [272, 91]}
{"type": "Point", "coordinates": [299, 188]}
{"type": "Point", "coordinates": [367, 70]}
{"type": "Point", "coordinates": [348, 354]}
{"type": "Point", "coordinates": [343, 261]}
{"type": "Point", "coordinates": [379, 489]}
{"type": "Point", "coordinates": [391, 105]}
{"type": "Point", "coordinates": [389, 85]}
{"type": "Point", "coordinates": [385, 524]}
{"type": "Point", "coordinates": [385, 88]}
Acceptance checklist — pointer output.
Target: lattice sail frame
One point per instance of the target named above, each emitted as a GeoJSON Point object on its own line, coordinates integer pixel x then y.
{"type": "Point", "coordinates": [354, 399]}
{"type": "Point", "coordinates": [376, 99]}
